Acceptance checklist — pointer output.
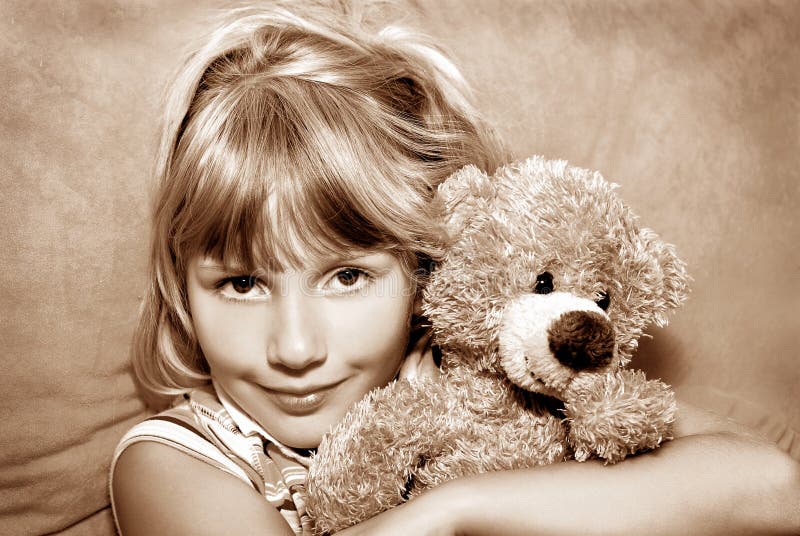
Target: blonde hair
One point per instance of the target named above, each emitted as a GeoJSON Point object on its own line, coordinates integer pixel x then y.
{"type": "Point", "coordinates": [315, 127]}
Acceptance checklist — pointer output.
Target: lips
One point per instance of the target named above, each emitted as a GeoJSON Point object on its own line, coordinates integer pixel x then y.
{"type": "Point", "coordinates": [301, 401]}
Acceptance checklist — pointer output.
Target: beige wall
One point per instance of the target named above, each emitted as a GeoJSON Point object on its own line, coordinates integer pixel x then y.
{"type": "Point", "coordinates": [694, 108]}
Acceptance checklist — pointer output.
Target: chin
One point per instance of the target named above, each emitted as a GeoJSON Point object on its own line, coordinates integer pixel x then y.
{"type": "Point", "coordinates": [298, 435]}
{"type": "Point", "coordinates": [306, 432]}
{"type": "Point", "coordinates": [304, 441]}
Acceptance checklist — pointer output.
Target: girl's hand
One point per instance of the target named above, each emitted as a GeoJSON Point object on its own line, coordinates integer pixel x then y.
{"type": "Point", "coordinates": [419, 362]}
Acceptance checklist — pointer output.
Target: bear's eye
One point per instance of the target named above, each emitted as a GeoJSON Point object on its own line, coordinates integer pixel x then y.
{"type": "Point", "coordinates": [603, 300]}
{"type": "Point", "coordinates": [544, 283]}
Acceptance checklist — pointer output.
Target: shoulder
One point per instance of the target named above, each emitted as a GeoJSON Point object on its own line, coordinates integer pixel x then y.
{"type": "Point", "coordinates": [177, 427]}
{"type": "Point", "coordinates": [168, 478]}
{"type": "Point", "coordinates": [157, 489]}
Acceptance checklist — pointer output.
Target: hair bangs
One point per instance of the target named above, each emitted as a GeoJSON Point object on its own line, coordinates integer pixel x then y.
{"type": "Point", "coordinates": [349, 188]}
{"type": "Point", "coordinates": [273, 180]}
{"type": "Point", "coordinates": [221, 159]}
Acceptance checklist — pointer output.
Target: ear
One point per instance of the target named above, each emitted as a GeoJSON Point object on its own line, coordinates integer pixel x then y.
{"type": "Point", "coordinates": [675, 282]}
{"type": "Point", "coordinates": [462, 196]}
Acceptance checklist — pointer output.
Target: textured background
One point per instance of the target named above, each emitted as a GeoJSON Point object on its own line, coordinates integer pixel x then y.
{"type": "Point", "coordinates": [693, 107]}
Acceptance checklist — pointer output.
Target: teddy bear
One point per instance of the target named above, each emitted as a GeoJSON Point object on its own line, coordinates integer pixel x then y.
{"type": "Point", "coordinates": [547, 283]}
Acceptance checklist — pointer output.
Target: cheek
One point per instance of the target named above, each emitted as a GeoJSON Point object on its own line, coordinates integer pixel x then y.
{"type": "Point", "coordinates": [373, 334]}
{"type": "Point", "coordinates": [229, 336]}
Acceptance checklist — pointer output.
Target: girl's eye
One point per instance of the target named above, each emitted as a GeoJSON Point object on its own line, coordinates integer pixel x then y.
{"type": "Point", "coordinates": [544, 283]}
{"type": "Point", "coordinates": [603, 300]}
{"type": "Point", "coordinates": [348, 279]}
{"type": "Point", "coordinates": [242, 288]}
{"type": "Point", "coordinates": [243, 284]}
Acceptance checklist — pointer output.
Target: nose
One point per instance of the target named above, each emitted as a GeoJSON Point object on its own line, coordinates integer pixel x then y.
{"type": "Point", "coordinates": [582, 340]}
{"type": "Point", "coordinates": [296, 341]}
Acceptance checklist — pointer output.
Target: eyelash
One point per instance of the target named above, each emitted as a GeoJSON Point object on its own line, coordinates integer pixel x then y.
{"type": "Point", "coordinates": [222, 283]}
{"type": "Point", "coordinates": [357, 285]}
{"type": "Point", "coordinates": [360, 273]}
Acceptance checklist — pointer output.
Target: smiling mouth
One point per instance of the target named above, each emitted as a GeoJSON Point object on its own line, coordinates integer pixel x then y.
{"type": "Point", "coordinates": [302, 402]}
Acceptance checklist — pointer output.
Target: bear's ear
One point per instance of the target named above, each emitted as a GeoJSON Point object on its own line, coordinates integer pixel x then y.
{"type": "Point", "coordinates": [462, 196]}
{"type": "Point", "coordinates": [675, 279]}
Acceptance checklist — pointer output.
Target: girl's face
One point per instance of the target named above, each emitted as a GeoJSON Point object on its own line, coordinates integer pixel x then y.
{"type": "Point", "coordinates": [296, 349]}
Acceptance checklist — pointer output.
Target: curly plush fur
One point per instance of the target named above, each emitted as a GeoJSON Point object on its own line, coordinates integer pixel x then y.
{"type": "Point", "coordinates": [547, 284]}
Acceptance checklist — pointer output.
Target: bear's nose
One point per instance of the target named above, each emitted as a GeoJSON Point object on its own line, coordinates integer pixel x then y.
{"type": "Point", "coordinates": [582, 340]}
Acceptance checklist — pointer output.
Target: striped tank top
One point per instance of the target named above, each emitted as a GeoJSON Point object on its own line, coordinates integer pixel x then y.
{"type": "Point", "coordinates": [210, 427]}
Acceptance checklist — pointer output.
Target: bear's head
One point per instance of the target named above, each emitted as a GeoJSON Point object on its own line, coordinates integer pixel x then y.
{"type": "Point", "coordinates": [547, 275]}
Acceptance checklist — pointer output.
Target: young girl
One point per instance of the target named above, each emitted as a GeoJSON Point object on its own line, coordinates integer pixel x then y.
{"type": "Point", "coordinates": [291, 224]}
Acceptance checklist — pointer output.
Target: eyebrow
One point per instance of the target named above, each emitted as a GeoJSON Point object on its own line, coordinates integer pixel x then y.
{"type": "Point", "coordinates": [208, 264]}
{"type": "Point", "coordinates": [346, 258]}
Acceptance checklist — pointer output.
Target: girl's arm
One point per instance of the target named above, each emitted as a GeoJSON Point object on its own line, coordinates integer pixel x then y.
{"type": "Point", "coordinates": [159, 490]}
{"type": "Point", "coordinates": [714, 478]}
